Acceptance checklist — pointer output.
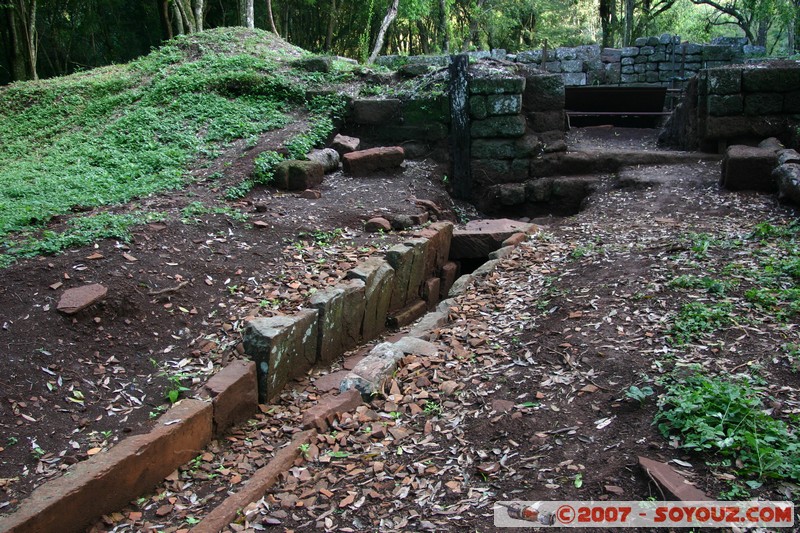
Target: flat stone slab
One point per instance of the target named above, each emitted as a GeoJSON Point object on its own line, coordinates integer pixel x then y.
{"type": "Point", "coordinates": [479, 238]}
{"type": "Point", "coordinates": [79, 298]}
{"type": "Point", "coordinates": [365, 162]}
{"type": "Point", "coordinates": [331, 381]}
{"type": "Point", "coordinates": [671, 481]}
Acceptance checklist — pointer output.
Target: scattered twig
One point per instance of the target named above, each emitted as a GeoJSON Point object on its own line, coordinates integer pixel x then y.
{"type": "Point", "coordinates": [168, 290]}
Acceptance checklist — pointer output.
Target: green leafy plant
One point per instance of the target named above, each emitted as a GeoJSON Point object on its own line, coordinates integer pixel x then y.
{"type": "Point", "coordinates": [727, 418]}
{"type": "Point", "coordinates": [696, 319]}
{"type": "Point", "coordinates": [433, 409]}
{"type": "Point", "coordinates": [639, 394]}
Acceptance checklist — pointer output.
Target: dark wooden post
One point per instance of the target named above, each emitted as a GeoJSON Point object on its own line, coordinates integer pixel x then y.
{"type": "Point", "coordinates": [460, 135]}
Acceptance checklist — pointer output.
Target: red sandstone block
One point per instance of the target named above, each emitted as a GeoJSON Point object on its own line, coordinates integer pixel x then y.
{"type": "Point", "coordinates": [408, 314]}
{"type": "Point", "coordinates": [365, 162]}
{"type": "Point", "coordinates": [109, 480]}
{"type": "Point", "coordinates": [329, 406]}
{"type": "Point", "coordinates": [515, 239]}
{"type": "Point", "coordinates": [235, 393]}
{"type": "Point", "coordinates": [431, 291]}
{"type": "Point", "coordinates": [449, 275]}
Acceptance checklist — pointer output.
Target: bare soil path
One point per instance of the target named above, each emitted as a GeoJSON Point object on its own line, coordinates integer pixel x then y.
{"type": "Point", "coordinates": [525, 400]}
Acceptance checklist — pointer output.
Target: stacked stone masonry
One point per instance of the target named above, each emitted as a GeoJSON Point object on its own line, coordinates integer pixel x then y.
{"type": "Point", "coordinates": [395, 290]}
{"type": "Point", "coordinates": [659, 60]}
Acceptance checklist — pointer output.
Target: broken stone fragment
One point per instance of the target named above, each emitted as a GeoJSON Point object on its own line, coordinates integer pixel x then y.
{"type": "Point", "coordinates": [79, 298]}
{"type": "Point", "coordinates": [344, 144]}
{"type": "Point", "coordinates": [377, 224]}
{"type": "Point", "coordinates": [365, 162]}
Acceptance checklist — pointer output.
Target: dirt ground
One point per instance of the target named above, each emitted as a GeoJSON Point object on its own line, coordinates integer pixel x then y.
{"type": "Point", "coordinates": [525, 399]}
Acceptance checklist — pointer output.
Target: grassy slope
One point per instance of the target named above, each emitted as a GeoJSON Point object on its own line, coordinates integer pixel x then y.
{"type": "Point", "coordinates": [125, 131]}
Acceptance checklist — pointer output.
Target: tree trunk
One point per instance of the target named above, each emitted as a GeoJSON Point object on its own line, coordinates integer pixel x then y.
{"type": "Point", "coordinates": [629, 5]}
{"type": "Point", "coordinates": [246, 14]}
{"type": "Point", "coordinates": [179, 29]}
{"type": "Point", "coordinates": [272, 19]}
{"type": "Point", "coordinates": [424, 38]}
{"type": "Point", "coordinates": [166, 23]}
{"type": "Point", "coordinates": [391, 14]}
{"type": "Point", "coordinates": [444, 26]}
{"type": "Point", "coordinates": [331, 27]}
{"type": "Point", "coordinates": [21, 21]}
{"type": "Point", "coordinates": [199, 7]}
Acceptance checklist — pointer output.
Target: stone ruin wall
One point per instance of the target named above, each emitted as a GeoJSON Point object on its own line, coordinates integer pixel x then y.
{"type": "Point", "coordinates": [653, 60]}
{"type": "Point", "coordinates": [741, 104]}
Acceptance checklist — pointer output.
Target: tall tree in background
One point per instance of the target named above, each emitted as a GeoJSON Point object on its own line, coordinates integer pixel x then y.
{"type": "Point", "coordinates": [753, 17]}
{"type": "Point", "coordinates": [20, 38]}
{"type": "Point", "coordinates": [391, 14]}
{"type": "Point", "coordinates": [272, 19]}
{"type": "Point", "coordinates": [247, 13]}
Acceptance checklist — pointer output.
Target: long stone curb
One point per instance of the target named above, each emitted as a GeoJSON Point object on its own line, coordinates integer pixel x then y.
{"type": "Point", "coordinates": [255, 487]}
{"type": "Point", "coordinates": [365, 379]}
{"type": "Point", "coordinates": [109, 480]}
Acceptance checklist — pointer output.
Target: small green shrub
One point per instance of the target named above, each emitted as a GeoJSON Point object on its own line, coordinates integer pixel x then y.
{"type": "Point", "coordinates": [696, 319]}
{"type": "Point", "coordinates": [727, 418]}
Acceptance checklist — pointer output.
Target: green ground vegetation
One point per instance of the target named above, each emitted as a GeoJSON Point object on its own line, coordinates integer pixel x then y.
{"type": "Point", "coordinates": [122, 132]}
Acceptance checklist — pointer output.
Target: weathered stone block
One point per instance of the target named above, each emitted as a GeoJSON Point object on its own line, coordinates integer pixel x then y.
{"type": "Point", "coordinates": [611, 55]}
{"type": "Point", "coordinates": [630, 51]}
{"type": "Point", "coordinates": [353, 309]}
{"type": "Point", "coordinates": [490, 170]}
{"type": "Point", "coordinates": [431, 291]}
{"type": "Point", "coordinates": [425, 110]}
{"type": "Point", "coordinates": [439, 235]}
{"type": "Point", "coordinates": [749, 168]}
{"type": "Point", "coordinates": [79, 298]}
{"type": "Point", "coordinates": [315, 64]}
{"type": "Point", "coordinates": [370, 372]}
{"type": "Point", "coordinates": [330, 405]}
{"type": "Point", "coordinates": [283, 347]}
{"type": "Point", "coordinates": [477, 107]}
{"type": "Point", "coordinates": [329, 304]}
{"type": "Point", "coordinates": [647, 50]}
{"type": "Point", "coordinates": [418, 267]}
{"type": "Point", "coordinates": [543, 92]}
{"type": "Point", "coordinates": [327, 157]}
{"type": "Point", "coordinates": [481, 237]}
{"type": "Point", "coordinates": [566, 54]}
{"type": "Point", "coordinates": [787, 177]}
{"type": "Point", "coordinates": [763, 104]}
{"type": "Point", "coordinates": [407, 315]}
{"type": "Point", "coordinates": [716, 53]}
{"type": "Point", "coordinates": [547, 120]}
{"type": "Point", "coordinates": [512, 194]}
{"type": "Point", "coordinates": [503, 104]}
{"type": "Point", "coordinates": [725, 81]}
{"type": "Point", "coordinates": [573, 79]}
{"type": "Point", "coordinates": [772, 79]}
{"type": "Point", "coordinates": [375, 111]}
{"type": "Point", "coordinates": [234, 393]}
{"type": "Point", "coordinates": [449, 275]}
{"type": "Point", "coordinates": [575, 65]}
{"type": "Point", "coordinates": [553, 67]}
{"type": "Point", "coordinates": [506, 126]}
{"type": "Point", "coordinates": [298, 175]}
{"type": "Point", "coordinates": [111, 479]}
{"type": "Point", "coordinates": [530, 56]}
{"type": "Point", "coordinates": [627, 69]}
{"type": "Point", "coordinates": [723, 105]}
{"type": "Point", "coordinates": [365, 162]}
{"type": "Point", "coordinates": [401, 259]}
{"type": "Point", "coordinates": [497, 85]}
{"type": "Point", "coordinates": [378, 278]}
{"type": "Point", "coordinates": [344, 144]}
{"type": "Point", "coordinates": [527, 146]}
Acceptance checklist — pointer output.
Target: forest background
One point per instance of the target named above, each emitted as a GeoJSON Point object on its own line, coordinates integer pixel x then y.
{"type": "Point", "coordinates": [45, 38]}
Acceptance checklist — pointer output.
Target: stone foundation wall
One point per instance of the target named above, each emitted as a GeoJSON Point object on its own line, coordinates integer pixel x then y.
{"type": "Point", "coordinates": [737, 104]}
{"type": "Point", "coordinates": [659, 60]}
{"type": "Point", "coordinates": [396, 289]}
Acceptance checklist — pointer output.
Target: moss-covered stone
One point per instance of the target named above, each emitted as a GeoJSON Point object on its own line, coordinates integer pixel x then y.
{"type": "Point", "coordinates": [477, 107]}
{"type": "Point", "coordinates": [499, 84]}
{"type": "Point", "coordinates": [506, 126]}
{"type": "Point", "coordinates": [423, 111]}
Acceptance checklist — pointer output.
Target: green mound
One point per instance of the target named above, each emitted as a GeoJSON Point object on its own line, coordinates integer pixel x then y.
{"type": "Point", "coordinates": [112, 134]}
